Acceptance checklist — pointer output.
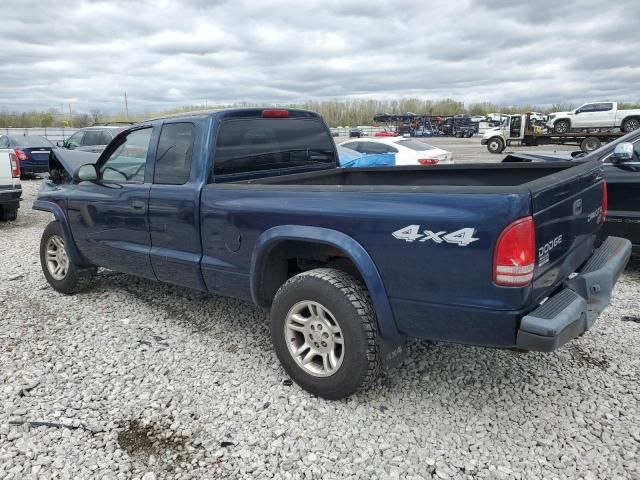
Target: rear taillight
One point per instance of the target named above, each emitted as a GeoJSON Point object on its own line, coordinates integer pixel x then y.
{"type": "Point", "coordinates": [275, 113]}
{"type": "Point", "coordinates": [515, 254]}
{"type": "Point", "coordinates": [22, 155]}
{"type": "Point", "coordinates": [427, 161]}
{"type": "Point", "coordinates": [605, 201]}
{"type": "Point", "coordinates": [15, 165]}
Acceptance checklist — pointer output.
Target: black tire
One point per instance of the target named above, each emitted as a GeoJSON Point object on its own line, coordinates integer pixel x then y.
{"type": "Point", "coordinates": [630, 125]}
{"type": "Point", "coordinates": [349, 303]}
{"type": "Point", "coordinates": [562, 126]}
{"type": "Point", "coordinates": [76, 279]}
{"type": "Point", "coordinates": [495, 145]}
{"type": "Point", "coordinates": [8, 214]}
{"type": "Point", "coordinates": [590, 144]}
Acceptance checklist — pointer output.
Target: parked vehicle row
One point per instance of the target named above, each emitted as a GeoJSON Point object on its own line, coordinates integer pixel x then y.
{"type": "Point", "coordinates": [32, 151]}
{"type": "Point", "coordinates": [249, 203]}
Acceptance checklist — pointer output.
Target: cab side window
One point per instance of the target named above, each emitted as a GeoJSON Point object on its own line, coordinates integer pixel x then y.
{"type": "Point", "coordinates": [127, 162]}
{"type": "Point", "coordinates": [75, 140]}
{"type": "Point", "coordinates": [173, 157]}
{"type": "Point", "coordinates": [604, 107]}
{"type": "Point", "coordinates": [92, 137]}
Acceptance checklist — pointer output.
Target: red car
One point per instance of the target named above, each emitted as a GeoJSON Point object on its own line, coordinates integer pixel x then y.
{"type": "Point", "coordinates": [385, 133]}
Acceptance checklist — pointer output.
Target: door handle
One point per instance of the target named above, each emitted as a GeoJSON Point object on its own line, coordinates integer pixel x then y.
{"type": "Point", "coordinates": [137, 204]}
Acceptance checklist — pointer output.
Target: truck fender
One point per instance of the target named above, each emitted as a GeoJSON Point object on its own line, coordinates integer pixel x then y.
{"type": "Point", "coordinates": [393, 342]}
{"type": "Point", "coordinates": [61, 218]}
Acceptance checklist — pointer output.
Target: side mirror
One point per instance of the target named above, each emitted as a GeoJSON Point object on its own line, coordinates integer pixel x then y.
{"type": "Point", "coordinates": [622, 153]}
{"type": "Point", "coordinates": [86, 173]}
{"type": "Point", "coordinates": [60, 143]}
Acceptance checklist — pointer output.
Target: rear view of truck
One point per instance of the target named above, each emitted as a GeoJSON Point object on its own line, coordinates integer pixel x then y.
{"type": "Point", "coordinates": [10, 189]}
{"type": "Point", "coordinates": [570, 270]}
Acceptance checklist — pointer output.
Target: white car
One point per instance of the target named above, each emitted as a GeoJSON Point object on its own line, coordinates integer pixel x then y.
{"type": "Point", "coordinates": [408, 151]}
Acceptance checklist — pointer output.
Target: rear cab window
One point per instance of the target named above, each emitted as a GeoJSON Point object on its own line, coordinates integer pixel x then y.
{"type": "Point", "coordinates": [263, 144]}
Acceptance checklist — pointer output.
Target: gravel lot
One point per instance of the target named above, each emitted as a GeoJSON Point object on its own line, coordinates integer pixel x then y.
{"type": "Point", "coordinates": [139, 380]}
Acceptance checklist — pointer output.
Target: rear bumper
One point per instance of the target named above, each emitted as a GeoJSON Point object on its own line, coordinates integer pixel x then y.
{"type": "Point", "coordinates": [28, 167]}
{"type": "Point", "coordinates": [574, 309]}
{"type": "Point", "coordinates": [10, 197]}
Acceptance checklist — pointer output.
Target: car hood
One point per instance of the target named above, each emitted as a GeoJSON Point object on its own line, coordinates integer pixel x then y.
{"type": "Point", "coordinates": [69, 160]}
{"type": "Point", "coordinates": [556, 114]}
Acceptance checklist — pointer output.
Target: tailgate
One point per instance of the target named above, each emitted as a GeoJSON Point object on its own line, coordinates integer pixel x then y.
{"type": "Point", "coordinates": [39, 155]}
{"type": "Point", "coordinates": [567, 211]}
{"type": "Point", "coordinates": [5, 168]}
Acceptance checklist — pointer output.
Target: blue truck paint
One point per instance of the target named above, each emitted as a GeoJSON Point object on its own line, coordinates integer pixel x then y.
{"type": "Point", "coordinates": [348, 245]}
{"type": "Point", "coordinates": [215, 233]}
{"type": "Point", "coordinates": [59, 214]}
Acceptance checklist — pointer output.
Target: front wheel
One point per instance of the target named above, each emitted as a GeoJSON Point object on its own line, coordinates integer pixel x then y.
{"type": "Point", "coordinates": [561, 126]}
{"type": "Point", "coordinates": [630, 125]}
{"type": "Point", "coordinates": [324, 332]}
{"type": "Point", "coordinates": [495, 145]}
{"type": "Point", "coordinates": [59, 270]}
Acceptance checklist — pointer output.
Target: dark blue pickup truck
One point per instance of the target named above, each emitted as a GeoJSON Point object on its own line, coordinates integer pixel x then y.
{"type": "Point", "coordinates": [250, 203]}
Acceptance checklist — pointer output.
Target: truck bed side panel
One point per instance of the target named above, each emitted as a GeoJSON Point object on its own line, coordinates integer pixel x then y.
{"type": "Point", "coordinates": [428, 270]}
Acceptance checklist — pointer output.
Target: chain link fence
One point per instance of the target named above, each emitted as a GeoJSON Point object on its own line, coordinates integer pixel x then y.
{"type": "Point", "coordinates": [53, 134]}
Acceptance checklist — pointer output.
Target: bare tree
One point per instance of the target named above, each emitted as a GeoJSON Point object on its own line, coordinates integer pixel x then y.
{"type": "Point", "coordinates": [96, 115]}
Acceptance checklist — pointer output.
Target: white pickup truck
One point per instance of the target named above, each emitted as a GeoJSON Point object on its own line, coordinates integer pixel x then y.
{"type": "Point", "coordinates": [10, 189]}
{"type": "Point", "coordinates": [595, 115]}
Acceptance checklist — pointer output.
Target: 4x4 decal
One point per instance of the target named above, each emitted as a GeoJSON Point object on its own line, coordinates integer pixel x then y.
{"type": "Point", "coordinates": [461, 237]}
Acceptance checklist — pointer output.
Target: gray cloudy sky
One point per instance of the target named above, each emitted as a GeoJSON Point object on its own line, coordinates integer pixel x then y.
{"type": "Point", "coordinates": [167, 53]}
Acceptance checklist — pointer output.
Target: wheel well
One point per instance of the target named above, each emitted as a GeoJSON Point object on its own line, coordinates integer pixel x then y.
{"type": "Point", "coordinates": [630, 117]}
{"type": "Point", "coordinates": [290, 257]}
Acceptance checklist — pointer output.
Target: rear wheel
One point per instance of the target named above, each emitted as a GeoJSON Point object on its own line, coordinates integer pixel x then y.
{"type": "Point", "coordinates": [631, 124]}
{"type": "Point", "coordinates": [561, 126]}
{"type": "Point", "coordinates": [324, 332]}
{"type": "Point", "coordinates": [59, 270]}
{"type": "Point", "coordinates": [590, 144]}
{"type": "Point", "coordinates": [495, 145]}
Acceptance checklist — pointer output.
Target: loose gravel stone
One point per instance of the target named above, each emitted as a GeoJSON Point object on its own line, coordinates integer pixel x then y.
{"type": "Point", "coordinates": [138, 380]}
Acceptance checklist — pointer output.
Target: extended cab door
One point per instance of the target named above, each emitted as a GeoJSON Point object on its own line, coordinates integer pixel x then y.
{"type": "Point", "coordinates": [174, 208]}
{"type": "Point", "coordinates": [109, 217]}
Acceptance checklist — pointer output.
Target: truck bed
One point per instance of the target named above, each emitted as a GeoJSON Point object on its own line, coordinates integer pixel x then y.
{"type": "Point", "coordinates": [452, 176]}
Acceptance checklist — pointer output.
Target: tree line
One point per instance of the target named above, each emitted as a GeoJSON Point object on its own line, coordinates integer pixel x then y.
{"type": "Point", "coordinates": [335, 112]}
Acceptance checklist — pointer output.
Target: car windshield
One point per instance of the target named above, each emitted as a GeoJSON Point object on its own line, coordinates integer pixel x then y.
{"type": "Point", "coordinates": [416, 145]}
{"type": "Point", "coordinates": [34, 141]}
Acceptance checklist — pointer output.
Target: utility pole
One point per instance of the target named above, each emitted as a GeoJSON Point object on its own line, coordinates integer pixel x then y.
{"type": "Point", "coordinates": [126, 107]}
{"type": "Point", "coordinates": [70, 116]}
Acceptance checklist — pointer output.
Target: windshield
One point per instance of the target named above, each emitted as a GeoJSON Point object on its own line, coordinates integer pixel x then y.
{"type": "Point", "coordinates": [416, 145]}
{"type": "Point", "coordinates": [505, 122]}
{"type": "Point", "coordinates": [34, 141]}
